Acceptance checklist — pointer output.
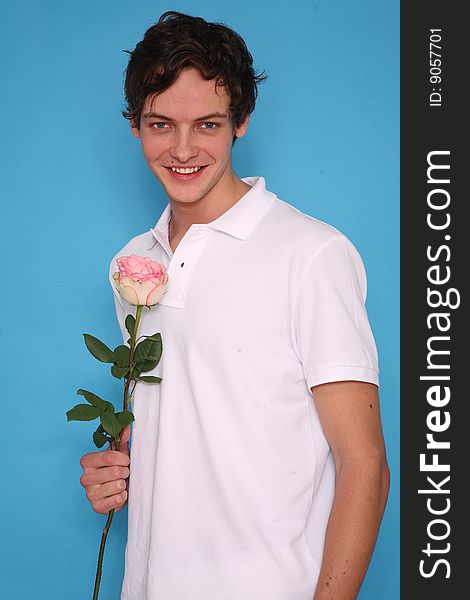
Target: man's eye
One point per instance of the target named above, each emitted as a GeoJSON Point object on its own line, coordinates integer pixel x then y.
{"type": "Point", "coordinates": [209, 125]}
{"type": "Point", "coordinates": [159, 125]}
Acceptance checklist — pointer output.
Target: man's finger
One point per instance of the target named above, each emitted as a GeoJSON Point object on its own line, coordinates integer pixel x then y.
{"type": "Point", "coordinates": [107, 458]}
{"type": "Point", "coordinates": [93, 477]}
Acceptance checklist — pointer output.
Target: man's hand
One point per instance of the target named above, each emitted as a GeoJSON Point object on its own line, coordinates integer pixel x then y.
{"type": "Point", "coordinates": [105, 476]}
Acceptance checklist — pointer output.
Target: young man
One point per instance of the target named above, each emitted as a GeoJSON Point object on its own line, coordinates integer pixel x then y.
{"type": "Point", "coordinates": [258, 469]}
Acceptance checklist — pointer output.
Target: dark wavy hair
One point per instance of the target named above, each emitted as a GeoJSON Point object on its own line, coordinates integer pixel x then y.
{"type": "Point", "coordinates": [178, 41]}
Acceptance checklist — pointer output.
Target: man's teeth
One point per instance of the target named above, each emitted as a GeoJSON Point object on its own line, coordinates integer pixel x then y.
{"type": "Point", "coordinates": [186, 170]}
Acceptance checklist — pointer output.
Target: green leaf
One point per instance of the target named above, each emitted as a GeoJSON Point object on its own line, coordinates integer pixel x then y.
{"type": "Point", "coordinates": [83, 412]}
{"type": "Point", "coordinates": [150, 379]}
{"type": "Point", "coordinates": [148, 365]}
{"type": "Point", "coordinates": [122, 354]}
{"type": "Point", "coordinates": [125, 418]}
{"type": "Point", "coordinates": [110, 424]}
{"type": "Point", "coordinates": [130, 324]}
{"type": "Point", "coordinates": [145, 367]}
{"type": "Point", "coordinates": [96, 400]}
{"type": "Point", "coordinates": [99, 350]}
{"type": "Point", "coordinates": [143, 349]}
{"type": "Point", "coordinates": [149, 349]}
{"type": "Point", "coordinates": [100, 429]}
{"type": "Point", "coordinates": [119, 372]}
{"type": "Point", "coordinates": [157, 337]}
{"type": "Point", "coordinates": [99, 438]}
{"type": "Point", "coordinates": [135, 373]}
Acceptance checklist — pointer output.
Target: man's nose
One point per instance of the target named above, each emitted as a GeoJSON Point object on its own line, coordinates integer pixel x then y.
{"type": "Point", "coordinates": [183, 148]}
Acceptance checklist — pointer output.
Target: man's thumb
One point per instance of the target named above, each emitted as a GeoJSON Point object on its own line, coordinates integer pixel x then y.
{"type": "Point", "coordinates": [126, 434]}
{"type": "Point", "coordinates": [123, 447]}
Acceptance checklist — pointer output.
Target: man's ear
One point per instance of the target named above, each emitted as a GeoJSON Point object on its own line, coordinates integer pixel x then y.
{"type": "Point", "coordinates": [241, 130]}
{"type": "Point", "coordinates": [135, 130]}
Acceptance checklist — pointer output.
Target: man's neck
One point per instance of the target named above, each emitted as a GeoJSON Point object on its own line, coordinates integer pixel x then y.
{"type": "Point", "coordinates": [183, 216]}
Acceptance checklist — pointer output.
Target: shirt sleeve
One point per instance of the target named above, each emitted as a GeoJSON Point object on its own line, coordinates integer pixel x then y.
{"type": "Point", "coordinates": [333, 337]}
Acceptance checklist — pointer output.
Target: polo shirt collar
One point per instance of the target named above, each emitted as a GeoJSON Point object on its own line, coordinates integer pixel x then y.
{"type": "Point", "coordinates": [238, 221]}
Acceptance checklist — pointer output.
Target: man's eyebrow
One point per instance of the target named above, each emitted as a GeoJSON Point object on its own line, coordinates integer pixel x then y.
{"type": "Point", "coordinates": [215, 115]}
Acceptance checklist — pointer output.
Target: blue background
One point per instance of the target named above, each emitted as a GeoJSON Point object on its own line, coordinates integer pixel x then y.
{"type": "Point", "coordinates": [75, 189]}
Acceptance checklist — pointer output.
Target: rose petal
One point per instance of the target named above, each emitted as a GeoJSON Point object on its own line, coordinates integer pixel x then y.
{"type": "Point", "coordinates": [141, 269]}
{"type": "Point", "coordinates": [155, 296]}
{"type": "Point", "coordinates": [127, 287]}
{"type": "Point", "coordinates": [146, 287]}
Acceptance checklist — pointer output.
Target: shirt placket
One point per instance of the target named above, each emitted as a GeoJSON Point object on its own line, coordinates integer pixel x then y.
{"type": "Point", "coordinates": [183, 263]}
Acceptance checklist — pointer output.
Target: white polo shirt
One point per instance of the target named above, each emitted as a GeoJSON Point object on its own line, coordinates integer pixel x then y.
{"type": "Point", "coordinates": [232, 478]}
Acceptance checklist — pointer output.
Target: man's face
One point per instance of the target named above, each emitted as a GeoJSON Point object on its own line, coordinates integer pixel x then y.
{"type": "Point", "coordinates": [187, 128]}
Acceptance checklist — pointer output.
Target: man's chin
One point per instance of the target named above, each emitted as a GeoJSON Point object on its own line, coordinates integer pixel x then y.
{"type": "Point", "coordinates": [179, 196]}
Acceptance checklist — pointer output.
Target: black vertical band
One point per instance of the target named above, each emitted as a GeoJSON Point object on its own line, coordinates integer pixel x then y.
{"type": "Point", "coordinates": [435, 268]}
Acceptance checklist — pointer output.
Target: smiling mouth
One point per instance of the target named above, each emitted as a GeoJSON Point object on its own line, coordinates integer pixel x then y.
{"type": "Point", "coordinates": [185, 173]}
{"type": "Point", "coordinates": [186, 169]}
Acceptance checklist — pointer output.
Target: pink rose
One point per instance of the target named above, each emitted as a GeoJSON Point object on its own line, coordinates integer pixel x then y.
{"type": "Point", "coordinates": [140, 280]}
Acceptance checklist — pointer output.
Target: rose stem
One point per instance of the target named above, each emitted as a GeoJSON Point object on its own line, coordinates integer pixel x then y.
{"type": "Point", "coordinates": [101, 554]}
{"type": "Point", "coordinates": [131, 359]}
{"type": "Point", "coordinates": [109, 520]}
